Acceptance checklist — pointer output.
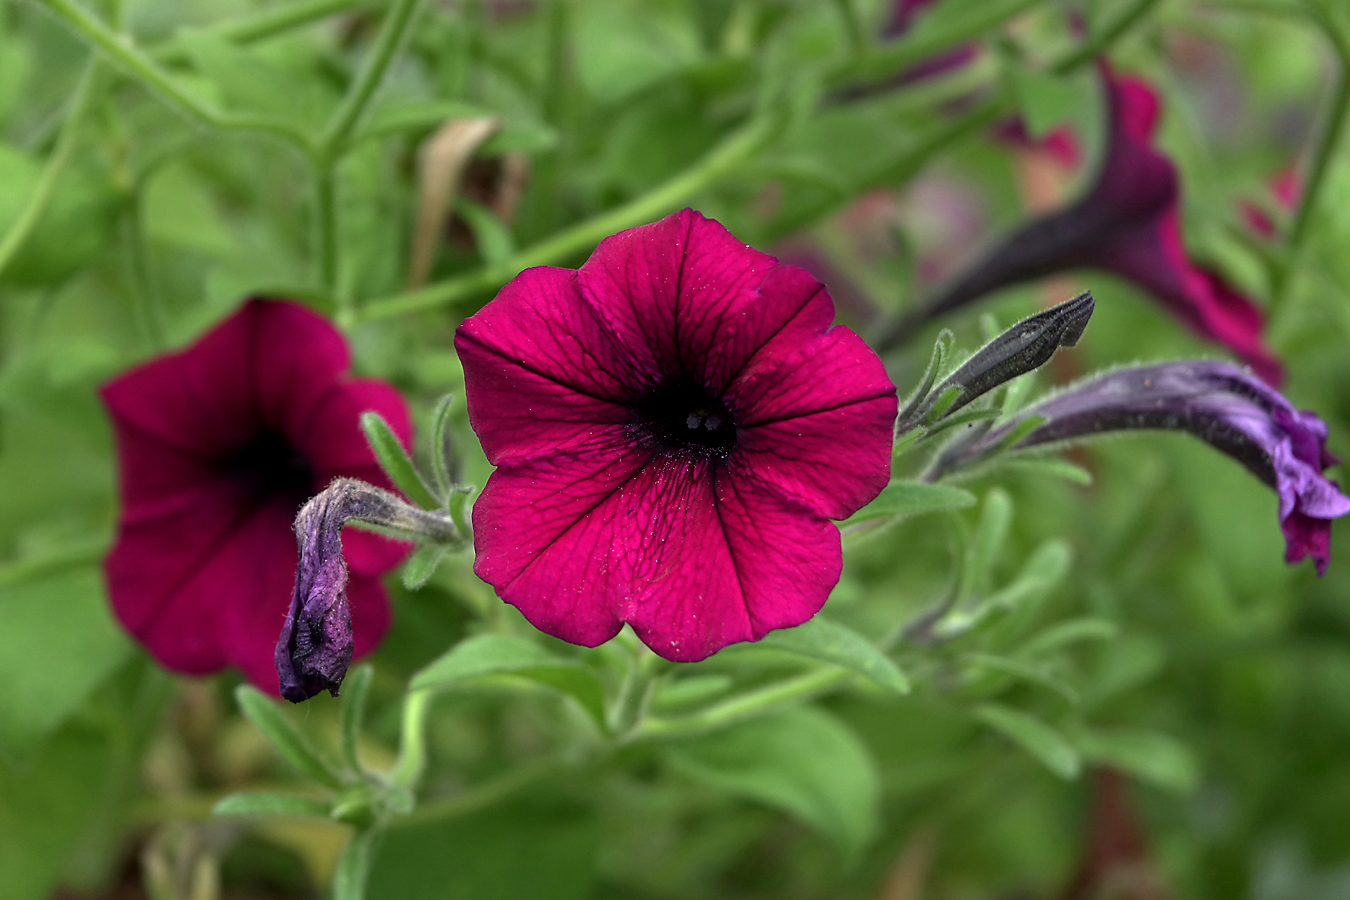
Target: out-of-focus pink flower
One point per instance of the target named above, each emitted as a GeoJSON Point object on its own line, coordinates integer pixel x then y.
{"type": "Point", "coordinates": [1286, 188]}
{"type": "Point", "coordinates": [1059, 142]}
{"type": "Point", "coordinates": [674, 425]}
{"type": "Point", "coordinates": [219, 446]}
{"type": "Point", "coordinates": [1127, 224]}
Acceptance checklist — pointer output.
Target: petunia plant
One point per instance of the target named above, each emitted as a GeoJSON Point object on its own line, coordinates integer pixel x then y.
{"type": "Point", "coordinates": [672, 449]}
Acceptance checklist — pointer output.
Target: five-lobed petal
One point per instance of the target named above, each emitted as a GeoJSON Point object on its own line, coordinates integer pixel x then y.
{"type": "Point", "coordinates": [674, 424]}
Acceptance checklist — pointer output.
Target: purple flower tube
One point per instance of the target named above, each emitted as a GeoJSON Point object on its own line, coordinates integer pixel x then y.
{"type": "Point", "coordinates": [1225, 406]}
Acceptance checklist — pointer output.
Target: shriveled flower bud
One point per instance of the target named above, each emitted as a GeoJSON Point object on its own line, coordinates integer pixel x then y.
{"type": "Point", "coordinates": [1227, 407]}
{"type": "Point", "coordinates": [315, 647]}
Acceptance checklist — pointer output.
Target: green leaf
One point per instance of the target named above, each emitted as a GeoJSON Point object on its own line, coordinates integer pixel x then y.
{"type": "Point", "coordinates": [1038, 739]}
{"type": "Point", "coordinates": [355, 688]}
{"type": "Point", "coordinates": [1049, 465]}
{"type": "Point", "coordinates": [492, 238]}
{"type": "Point", "coordinates": [1046, 100]}
{"type": "Point", "coordinates": [499, 654]}
{"type": "Point", "coordinates": [1072, 631]}
{"type": "Point", "coordinates": [1041, 574]}
{"type": "Point", "coordinates": [58, 641]}
{"type": "Point", "coordinates": [990, 535]}
{"type": "Point", "coordinates": [269, 804]}
{"type": "Point", "coordinates": [259, 709]}
{"type": "Point", "coordinates": [1151, 756]}
{"type": "Point", "coordinates": [912, 498]}
{"type": "Point", "coordinates": [395, 461]}
{"type": "Point", "coordinates": [822, 639]}
{"type": "Point", "coordinates": [421, 115]}
{"type": "Point", "coordinates": [519, 137]}
{"type": "Point", "coordinates": [422, 565]}
{"type": "Point", "coordinates": [248, 80]}
{"type": "Point", "coordinates": [442, 448]}
{"type": "Point", "coordinates": [802, 761]}
{"type": "Point", "coordinates": [525, 849]}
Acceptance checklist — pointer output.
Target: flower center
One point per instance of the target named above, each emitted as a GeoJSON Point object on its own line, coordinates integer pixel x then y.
{"type": "Point", "coordinates": [268, 467]}
{"type": "Point", "coordinates": [681, 415]}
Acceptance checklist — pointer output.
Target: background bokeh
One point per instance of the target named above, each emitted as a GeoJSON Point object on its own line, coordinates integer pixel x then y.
{"type": "Point", "coordinates": [1154, 632]}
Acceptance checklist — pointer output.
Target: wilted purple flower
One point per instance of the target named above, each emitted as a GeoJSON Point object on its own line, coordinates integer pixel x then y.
{"type": "Point", "coordinates": [315, 647]}
{"type": "Point", "coordinates": [1221, 404]}
{"type": "Point", "coordinates": [1127, 224]}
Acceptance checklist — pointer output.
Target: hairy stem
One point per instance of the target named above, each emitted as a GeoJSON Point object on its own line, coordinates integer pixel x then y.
{"type": "Point", "coordinates": [264, 24]}
{"type": "Point", "coordinates": [393, 32]}
{"type": "Point", "coordinates": [1108, 36]}
{"type": "Point", "coordinates": [747, 705]}
{"type": "Point", "coordinates": [124, 53]}
{"type": "Point", "coordinates": [719, 162]}
{"type": "Point", "coordinates": [1330, 138]}
{"type": "Point", "coordinates": [412, 754]}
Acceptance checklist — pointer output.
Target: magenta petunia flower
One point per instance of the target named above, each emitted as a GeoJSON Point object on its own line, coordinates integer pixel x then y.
{"type": "Point", "coordinates": [219, 446]}
{"type": "Point", "coordinates": [1222, 405]}
{"type": "Point", "coordinates": [674, 424]}
{"type": "Point", "coordinates": [1127, 224]}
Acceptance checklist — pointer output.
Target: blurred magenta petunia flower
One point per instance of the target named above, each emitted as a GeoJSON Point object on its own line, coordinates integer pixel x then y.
{"type": "Point", "coordinates": [674, 425]}
{"type": "Point", "coordinates": [1127, 224]}
{"type": "Point", "coordinates": [1222, 405]}
{"type": "Point", "coordinates": [219, 446]}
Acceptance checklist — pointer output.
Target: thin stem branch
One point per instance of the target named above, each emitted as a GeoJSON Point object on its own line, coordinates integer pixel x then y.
{"type": "Point", "coordinates": [45, 189]}
{"type": "Point", "coordinates": [264, 24]}
{"type": "Point", "coordinates": [885, 61]}
{"type": "Point", "coordinates": [1331, 133]}
{"type": "Point", "coordinates": [72, 555]}
{"type": "Point", "coordinates": [723, 159]}
{"type": "Point", "coordinates": [745, 706]}
{"type": "Point", "coordinates": [124, 53]}
{"type": "Point", "coordinates": [1108, 36]}
{"type": "Point", "coordinates": [477, 797]}
{"type": "Point", "coordinates": [326, 236]}
{"type": "Point", "coordinates": [393, 32]}
{"type": "Point", "coordinates": [412, 754]}
{"type": "Point", "coordinates": [145, 296]}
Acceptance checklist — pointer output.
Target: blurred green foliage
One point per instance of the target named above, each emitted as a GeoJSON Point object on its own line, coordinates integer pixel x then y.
{"type": "Point", "coordinates": [1144, 621]}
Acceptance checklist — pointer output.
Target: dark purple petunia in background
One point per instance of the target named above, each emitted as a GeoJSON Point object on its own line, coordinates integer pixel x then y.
{"type": "Point", "coordinates": [219, 445]}
{"type": "Point", "coordinates": [674, 426]}
{"type": "Point", "coordinates": [1127, 224]}
{"type": "Point", "coordinates": [1222, 405]}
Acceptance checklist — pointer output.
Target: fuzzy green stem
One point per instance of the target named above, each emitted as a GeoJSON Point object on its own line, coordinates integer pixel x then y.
{"type": "Point", "coordinates": [412, 754]}
{"type": "Point", "coordinates": [884, 62]}
{"type": "Point", "coordinates": [1331, 135]}
{"type": "Point", "coordinates": [393, 32]}
{"type": "Point", "coordinates": [746, 706]}
{"type": "Point", "coordinates": [1108, 36]}
{"type": "Point", "coordinates": [124, 53]}
{"type": "Point", "coordinates": [723, 159]}
{"type": "Point", "coordinates": [478, 797]}
{"type": "Point", "coordinates": [326, 237]}
{"type": "Point", "coordinates": [264, 24]}
{"type": "Point", "coordinates": [144, 295]}
{"type": "Point", "coordinates": [28, 219]}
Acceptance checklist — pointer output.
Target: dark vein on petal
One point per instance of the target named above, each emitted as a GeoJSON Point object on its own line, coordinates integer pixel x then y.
{"type": "Point", "coordinates": [777, 331]}
{"type": "Point", "coordinates": [533, 371]}
{"type": "Point", "coordinates": [731, 552]}
{"type": "Point", "coordinates": [577, 521]}
{"type": "Point", "coordinates": [816, 412]}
